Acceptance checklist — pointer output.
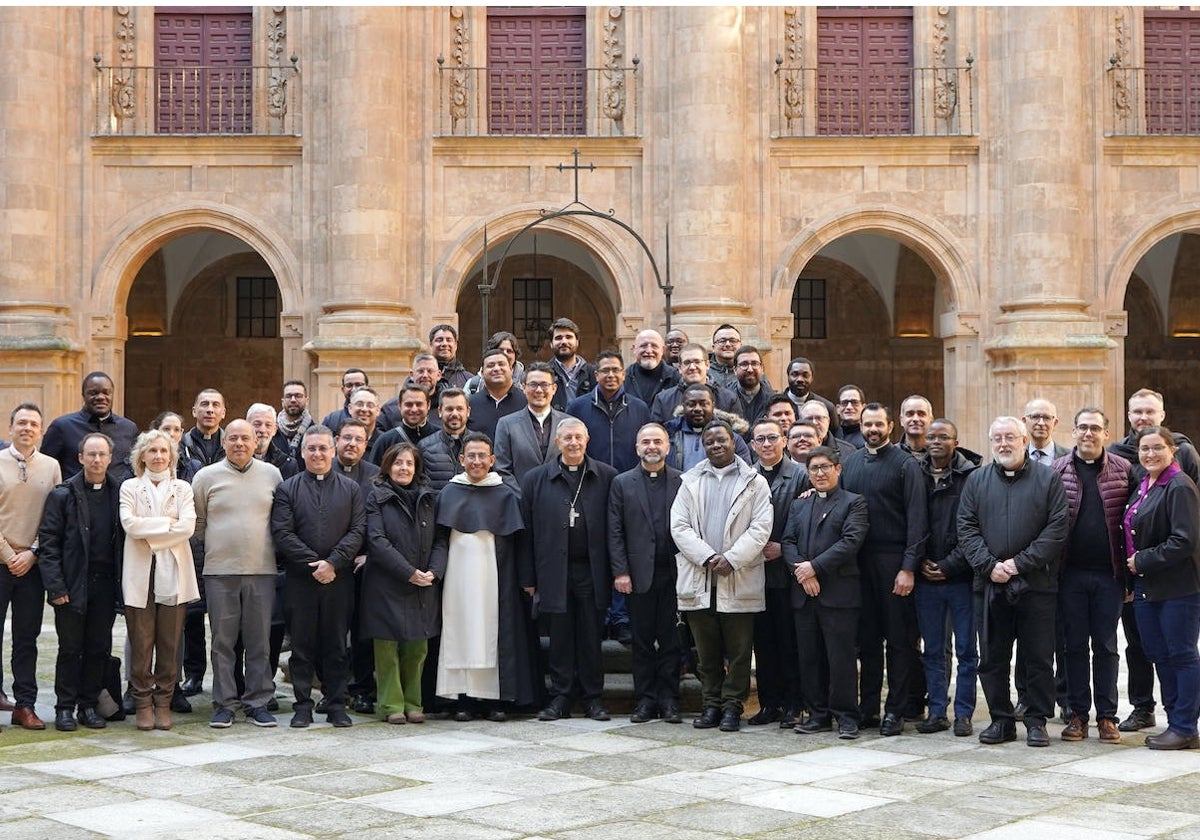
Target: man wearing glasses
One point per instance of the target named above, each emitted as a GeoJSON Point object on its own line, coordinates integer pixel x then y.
{"type": "Point", "coordinates": [612, 416]}
{"type": "Point", "coordinates": [751, 391]}
{"type": "Point", "coordinates": [1041, 419]}
{"type": "Point", "coordinates": [725, 342]}
{"type": "Point", "coordinates": [526, 440]}
{"type": "Point", "coordinates": [693, 365]}
{"type": "Point", "coordinates": [849, 412]}
{"type": "Point", "coordinates": [26, 479]}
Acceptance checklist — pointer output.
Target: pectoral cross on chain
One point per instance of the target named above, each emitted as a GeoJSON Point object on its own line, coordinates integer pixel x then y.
{"type": "Point", "coordinates": [571, 517]}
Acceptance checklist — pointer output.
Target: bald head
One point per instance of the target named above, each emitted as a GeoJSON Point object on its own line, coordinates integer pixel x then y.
{"type": "Point", "coordinates": [648, 349]}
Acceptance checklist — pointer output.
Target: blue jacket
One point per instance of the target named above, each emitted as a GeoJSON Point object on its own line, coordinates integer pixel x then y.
{"type": "Point", "coordinates": [612, 427]}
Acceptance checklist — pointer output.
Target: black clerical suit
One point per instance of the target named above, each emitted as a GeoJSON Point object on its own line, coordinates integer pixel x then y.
{"type": "Point", "coordinates": [827, 530]}
{"type": "Point", "coordinates": [564, 556]}
{"type": "Point", "coordinates": [640, 545]}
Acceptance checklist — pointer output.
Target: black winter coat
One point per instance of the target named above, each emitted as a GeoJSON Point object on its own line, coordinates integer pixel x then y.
{"type": "Point", "coordinates": [399, 542]}
{"type": "Point", "coordinates": [440, 454]}
{"type": "Point", "coordinates": [315, 519]}
{"type": "Point", "coordinates": [64, 541]}
{"type": "Point", "coordinates": [1166, 535]}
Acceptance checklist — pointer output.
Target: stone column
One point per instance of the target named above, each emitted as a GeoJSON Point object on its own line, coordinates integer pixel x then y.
{"type": "Point", "coordinates": [1040, 153]}
{"type": "Point", "coordinates": [365, 319]}
{"type": "Point", "coordinates": [37, 349]}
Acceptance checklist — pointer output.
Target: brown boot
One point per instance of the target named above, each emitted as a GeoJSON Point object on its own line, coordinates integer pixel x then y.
{"type": "Point", "coordinates": [1076, 730]}
{"type": "Point", "coordinates": [162, 717]}
{"type": "Point", "coordinates": [145, 718]}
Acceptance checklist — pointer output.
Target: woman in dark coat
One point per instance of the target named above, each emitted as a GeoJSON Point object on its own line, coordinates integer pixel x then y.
{"type": "Point", "coordinates": [401, 594]}
{"type": "Point", "coordinates": [1162, 540]}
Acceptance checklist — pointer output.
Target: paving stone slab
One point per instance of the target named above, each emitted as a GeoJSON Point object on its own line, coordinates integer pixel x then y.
{"type": "Point", "coordinates": [889, 784]}
{"type": "Point", "coordinates": [260, 798]}
{"type": "Point", "coordinates": [730, 817]}
{"type": "Point", "coordinates": [346, 784]}
{"type": "Point", "coordinates": [139, 818]}
{"type": "Point", "coordinates": [612, 768]}
{"type": "Point", "coordinates": [1025, 829]}
{"type": "Point", "coordinates": [557, 812]}
{"type": "Point", "coordinates": [39, 828]}
{"type": "Point", "coordinates": [1115, 816]}
{"type": "Point", "coordinates": [641, 831]}
{"type": "Point", "coordinates": [706, 784]}
{"type": "Point", "coordinates": [273, 768]}
{"type": "Point", "coordinates": [326, 818]}
{"type": "Point", "coordinates": [938, 820]}
{"type": "Point", "coordinates": [433, 828]}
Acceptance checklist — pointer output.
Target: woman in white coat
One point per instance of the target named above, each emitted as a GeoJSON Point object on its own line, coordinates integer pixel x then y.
{"type": "Point", "coordinates": [158, 579]}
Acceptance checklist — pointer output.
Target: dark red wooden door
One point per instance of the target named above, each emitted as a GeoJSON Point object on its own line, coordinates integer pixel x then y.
{"type": "Point", "coordinates": [536, 76]}
{"type": "Point", "coordinates": [864, 71]}
{"type": "Point", "coordinates": [1172, 42]}
{"type": "Point", "coordinates": [204, 58]}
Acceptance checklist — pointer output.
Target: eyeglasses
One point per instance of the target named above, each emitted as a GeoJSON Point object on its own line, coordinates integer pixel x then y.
{"type": "Point", "coordinates": [609, 371]}
{"type": "Point", "coordinates": [1008, 438]}
{"type": "Point", "coordinates": [1084, 428]}
{"type": "Point", "coordinates": [748, 365]}
{"type": "Point", "coordinates": [1040, 418]}
{"type": "Point", "coordinates": [819, 469]}
{"type": "Point", "coordinates": [727, 341]}
{"type": "Point", "coordinates": [849, 403]}
{"type": "Point", "coordinates": [1146, 450]}
{"type": "Point", "coordinates": [691, 362]}
{"type": "Point", "coordinates": [761, 439]}
{"type": "Point", "coordinates": [538, 386]}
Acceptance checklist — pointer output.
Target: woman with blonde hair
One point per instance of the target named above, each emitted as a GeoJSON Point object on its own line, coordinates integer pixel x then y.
{"type": "Point", "coordinates": [158, 579]}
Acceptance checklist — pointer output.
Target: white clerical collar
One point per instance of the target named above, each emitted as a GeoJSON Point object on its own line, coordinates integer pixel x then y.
{"type": "Point", "coordinates": [821, 495]}
{"type": "Point", "coordinates": [542, 415]}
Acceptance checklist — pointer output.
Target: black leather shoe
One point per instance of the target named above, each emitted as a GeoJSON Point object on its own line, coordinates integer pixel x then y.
{"type": "Point", "coordinates": [1035, 736]}
{"type": "Point", "coordinates": [301, 719]}
{"type": "Point", "coordinates": [670, 714]}
{"type": "Point", "coordinates": [710, 718]}
{"type": "Point", "coordinates": [892, 724]}
{"type": "Point", "coordinates": [848, 730]}
{"type": "Point", "coordinates": [623, 634]}
{"type": "Point", "coordinates": [557, 710]}
{"type": "Point", "coordinates": [339, 718]}
{"type": "Point", "coordinates": [1172, 740]}
{"type": "Point", "coordinates": [812, 725]}
{"type": "Point", "coordinates": [362, 704]}
{"type": "Point", "coordinates": [64, 721]}
{"type": "Point", "coordinates": [933, 724]}
{"type": "Point", "coordinates": [963, 727]}
{"type": "Point", "coordinates": [998, 732]}
{"type": "Point", "coordinates": [731, 720]}
{"type": "Point", "coordinates": [191, 687]}
{"type": "Point", "coordinates": [788, 718]}
{"type": "Point", "coordinates": [1019, 710]}
{"type": "Point", "coordinates": [462, 715]}
{"type": "Point", "coordinates": [596, 711]}
{"type": "Point", "coordinates": [643, 713]}
{"type": "Point", "coordinates": [127, 701]}
{"type": "Point", "coordinates": [179, 703]}
{"type": "Point", "coordinates": [273, 704]}
{"type": "Point", "coordinates": [765, 715]}
{"type": "Point", "coordinates": [90, 718]}
{"type": "Point", "coordinates": [868, 722]}
{"type": "Point", "coordinates": [496, 715]}
{"type": "Point", "coordinates": [1138, 719]}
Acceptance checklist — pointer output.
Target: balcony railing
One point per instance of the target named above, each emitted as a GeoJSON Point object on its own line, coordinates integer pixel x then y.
{"type": "Point", "coordinates": [156, 101]}
{"type": "Point", "coordinates": [551, 102]}
{"type": "Point", "coordinates": [857, 102]}
{"type": "Point", "coordinates": [1147, 102]}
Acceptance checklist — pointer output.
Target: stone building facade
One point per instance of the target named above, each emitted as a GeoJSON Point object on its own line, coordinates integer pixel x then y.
{"type": "Point", "coordinates": [1008, 212]}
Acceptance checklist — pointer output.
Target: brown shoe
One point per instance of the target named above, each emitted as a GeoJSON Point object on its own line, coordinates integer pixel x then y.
{"type": "Point", "coordinates": [1108, 731]}
{"type": "Point", "coordinates": [6, 705]}
{"type": "Point", "coordinates": [26, 718]}
{"type": "Point", "coordinates": [162, 717]}
{"type": "Point", "coordinates": [415, 716]}
{"type": "Point", "coordinates": [144, 717]}
{"type": "Point", "coordinates": [1076, 730]}
{"type": "Point", "coordinates": [397, 717]}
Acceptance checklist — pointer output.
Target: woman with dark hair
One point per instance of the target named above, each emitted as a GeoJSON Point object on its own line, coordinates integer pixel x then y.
{"type": "Point", "coordinates": [1162, 540]}
{"type": "Point", "coordinates": [401, 595]}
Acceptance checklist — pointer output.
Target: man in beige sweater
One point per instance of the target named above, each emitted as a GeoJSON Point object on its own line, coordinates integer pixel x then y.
{"type": "Point", "coordinates": [233, 512]}
{"type": "Point", "coordinates": [26, 479]}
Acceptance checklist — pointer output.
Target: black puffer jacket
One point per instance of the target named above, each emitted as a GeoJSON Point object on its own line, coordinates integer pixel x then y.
{"type": "Point", "coordinates": [64, 541]}
{"type": "Point", "coordinates": [440, 453]}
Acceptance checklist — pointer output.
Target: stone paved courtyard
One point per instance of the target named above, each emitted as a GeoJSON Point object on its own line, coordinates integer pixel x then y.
{"type": "Point", "coordinates": [574, 780]}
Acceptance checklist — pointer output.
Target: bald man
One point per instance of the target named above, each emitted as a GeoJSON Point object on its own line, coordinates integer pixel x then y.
{"type": "Point", "coordinates": [650, 375]}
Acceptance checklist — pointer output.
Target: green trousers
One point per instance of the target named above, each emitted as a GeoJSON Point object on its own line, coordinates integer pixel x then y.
{"type": "Point", "coordinates": [398, 675]}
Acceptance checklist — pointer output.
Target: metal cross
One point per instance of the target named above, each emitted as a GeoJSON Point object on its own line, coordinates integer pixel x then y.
{"type": "Point", "coordinates": [590, 167]}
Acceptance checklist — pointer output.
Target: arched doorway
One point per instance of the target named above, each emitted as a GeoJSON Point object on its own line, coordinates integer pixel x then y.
{"type": "Point", "coordinates": [1162, 348]}
{"type": "Point", "coordinates": [545, 276]}
{"type": "Point", "coordinates": [203, 311]}
{"type": "Point", "coordinates": [865, 309]}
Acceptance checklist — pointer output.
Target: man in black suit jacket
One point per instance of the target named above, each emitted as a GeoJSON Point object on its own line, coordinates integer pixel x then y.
{"type": "Point", "coordinates": [775, 656]}
{"type": "Point", "coordinates": [642, 555]}
{"type": "Point", "coordinates": [563, 560]}
{"type": "Point", "coordinates": [525, 440]}
{"type": "Point", "coordinates": [824, 533]}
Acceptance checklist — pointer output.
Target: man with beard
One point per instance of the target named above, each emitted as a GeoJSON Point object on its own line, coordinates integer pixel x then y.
{"type": "Point", "coordinates": [720, 521]}
{"type": "Point", "coordinates": [642, 554]}
{"type": "Point", "coordinates": [891, 482]}
{"type": "Point", "coordinates": [527, 439]}
{"type": "Point", "coordinates": [1012, 523]}
{"type": "Point", "coordinates": [674, 342]}
{"type": "Point", "coordinates": [261, 418]}
{"type": "Point", "coordinates": [649, 375]}
{"type": "Point", "coordinates": [800, 379]}
{"type": "Point", "coordinates": [498, 397]}
{"type": "Point", "coordinates": [426, 375]}
{"type": "Point", "coordinates": [751, 391]}
{"type": "Point", "coordinates": [573, 376]}
{"type": "Point", "coordinates": [352, 380]}
{"type": "Point", "coordinates": [64, 433]}
{"type": "Point", "coordinates": [915, 414]}
{"type": "Point", "coordinates": [725, 342]}
{"type": "Point", "coordinates": [414, 424]}
{"type": "Point", "coordinates": [440, 451]}
{"type": "Point", "coordinates": [443, 341]}
{"type": "Point", "coordinates": [943, 590]}
{"type": "Point", "coordinates": [486, 657]}
{"type": "Point", "coordinates": [775, 652]}
{"type": "Point", "coordinates": [849, 411]}
{"type": "Point", "coordinates": [564, 566]}
{"type": "Point", "coordinates": [817, 413]}
{"type": "Point", "coordinates": [294, 418]}
{"type": "Point", "coordinates": [686, 431]}
{"type": "Point", "coordinates": [693, 365]}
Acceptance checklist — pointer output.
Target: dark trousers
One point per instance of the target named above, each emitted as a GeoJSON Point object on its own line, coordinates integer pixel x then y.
{"type": "Point", "coordinates": [1029, 623]}
{"type": "Point", "coordinates": [1169, 633]}
{"type": "Point", "coordinates": [362, 651]}
{"type": "Point", "coordinates": [25, 594]}
{"type": "Point", "coordinates": [776, 663]}
{"type": "Point", "coordinates": [85, 642]}
{"type": "Point", "coordinates": [1062, 692]}
{"type": "Point", "coordinates": [195, 647]}
{"type": "Point", "coordinates": [576, 669]}
{"type": "Point", "coordinates": [890, 619]}
{"type": "Point", "coordinates": [318, 616]}
{"type": "Point", "coordinates": [1090, 605]}
{"type": "Point", "coordinates": [655, 643]}
{"type": "Point", "coordinates": [1140, 687]}
{"type": "Point", "coordinates": [828, 671]}
{"type": "Point", "coordinates": [937, 604]}
{"type": "Point", "coordinates": [724, 648]}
